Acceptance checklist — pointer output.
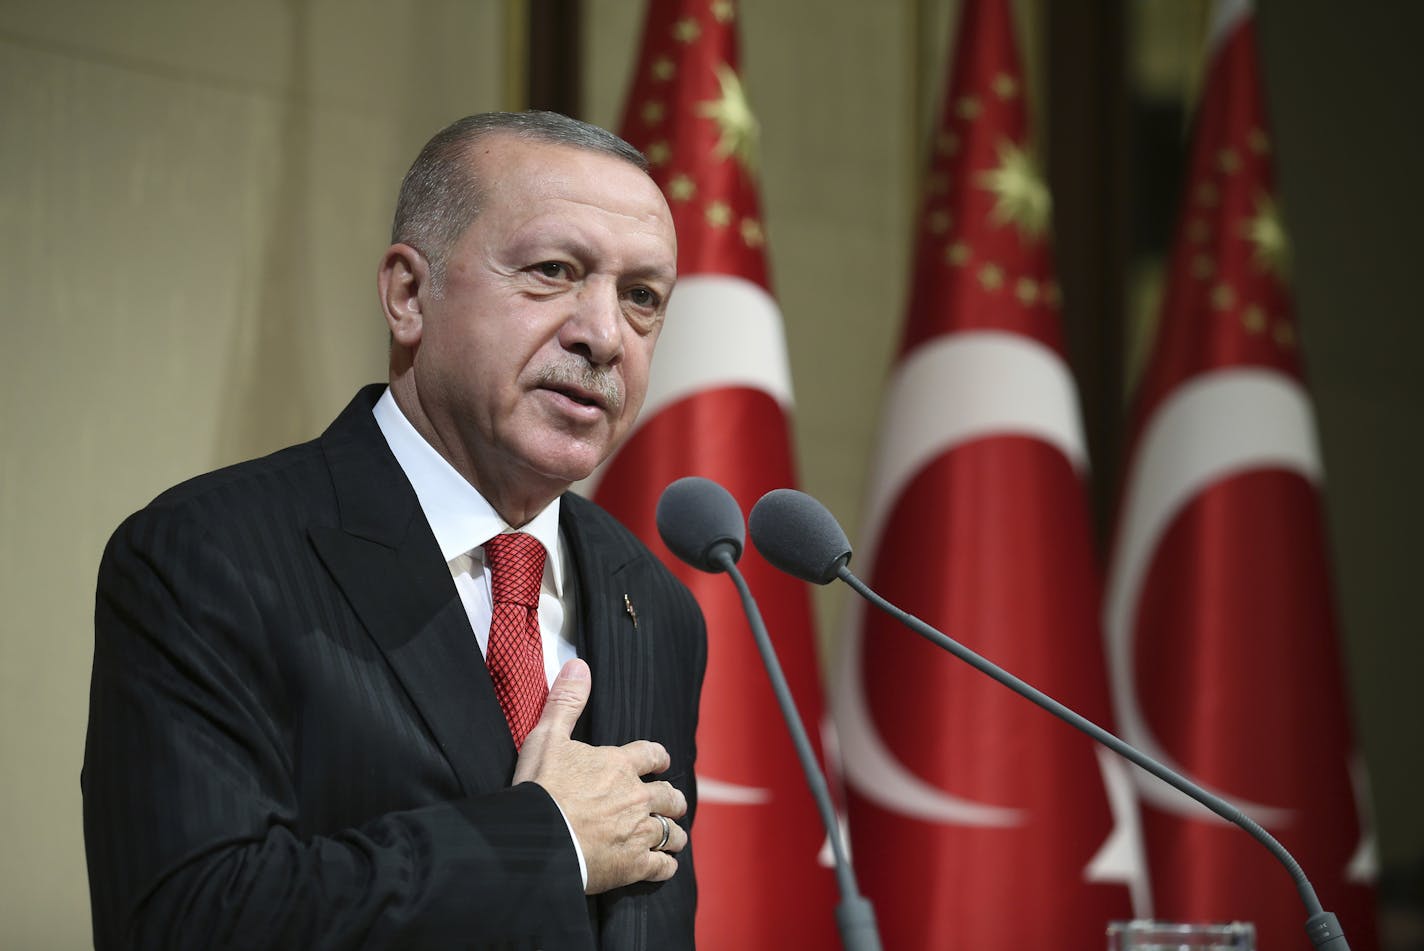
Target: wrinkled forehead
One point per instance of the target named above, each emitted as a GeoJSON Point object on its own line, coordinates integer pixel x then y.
{"type": "Point", "coordinates": [523, 181]}
{"type": "Point", "coordinates": [516, 170]}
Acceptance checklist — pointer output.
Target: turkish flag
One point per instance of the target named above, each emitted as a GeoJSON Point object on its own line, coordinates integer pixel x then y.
{"type": "Point", "coordinates": [1221, 628]}
{"type": "Point", "coordinates": [718, 406]}
{"type": "Point", "coordinates": [977, 819]}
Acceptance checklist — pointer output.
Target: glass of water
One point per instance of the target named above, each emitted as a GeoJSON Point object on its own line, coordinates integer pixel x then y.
{"type": "Point", "coordinates": [1148, 935]}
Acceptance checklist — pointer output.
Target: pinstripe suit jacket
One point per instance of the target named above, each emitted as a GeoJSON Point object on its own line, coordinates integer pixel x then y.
{"type": "Point", "coordinates": [293, 741]}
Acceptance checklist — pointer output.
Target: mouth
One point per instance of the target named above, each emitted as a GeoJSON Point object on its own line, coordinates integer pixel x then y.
{"type": "Point", "coordinates": [577, 394]}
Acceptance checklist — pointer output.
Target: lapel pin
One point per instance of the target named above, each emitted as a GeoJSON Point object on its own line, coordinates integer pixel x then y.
{"type": "Point", "coordinates": [628, 606]}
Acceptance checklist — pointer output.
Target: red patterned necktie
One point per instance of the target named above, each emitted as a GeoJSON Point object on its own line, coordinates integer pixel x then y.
{"type": "Point", "coordinates": [516, 654]}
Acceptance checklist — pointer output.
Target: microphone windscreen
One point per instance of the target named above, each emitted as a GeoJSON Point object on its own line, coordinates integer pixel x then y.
{"type": "Point", "coordinates": [696, 518]}
{"type": "Point", "coordinates": [799, 535]}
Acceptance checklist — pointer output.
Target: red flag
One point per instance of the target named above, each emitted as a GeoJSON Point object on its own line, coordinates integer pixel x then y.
{"type": "Point", "coordinates": [977, 819]}
{"type": "Point", "coordinates": [1219, 616]}
{"type": "Point", "coordinates": [718, 407]}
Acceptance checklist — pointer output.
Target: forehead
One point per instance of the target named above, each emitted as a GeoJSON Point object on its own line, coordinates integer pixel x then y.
{"type": "Point", "coordinates": [523, 181]}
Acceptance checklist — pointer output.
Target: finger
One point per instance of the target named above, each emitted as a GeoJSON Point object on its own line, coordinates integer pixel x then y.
{"type": "Point", "coordinates": [646, 757]}
{"type": "Point", "coordinates": [567, 697]}
{"type": "Point", "coordinates": [659, 867]}
{"type": "Point", "coordinates": [666, 799]}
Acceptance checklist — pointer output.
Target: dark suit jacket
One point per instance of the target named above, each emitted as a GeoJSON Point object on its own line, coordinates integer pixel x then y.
{"type": "Point", "coordinates": [294, 743]}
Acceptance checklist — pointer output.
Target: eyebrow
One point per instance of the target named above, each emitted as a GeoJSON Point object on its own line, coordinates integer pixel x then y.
{"type": "Point", "coordinates": [653, 272]}
{"type": "Point", "coordinates": [579, 248]}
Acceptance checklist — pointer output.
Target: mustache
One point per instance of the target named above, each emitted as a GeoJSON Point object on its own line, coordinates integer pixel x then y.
{"type": "Point", "coordinates": [578, 373]}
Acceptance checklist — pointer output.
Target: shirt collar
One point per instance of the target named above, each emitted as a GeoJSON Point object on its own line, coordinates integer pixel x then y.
{"type": "Point", "coordinates": [460, 517]}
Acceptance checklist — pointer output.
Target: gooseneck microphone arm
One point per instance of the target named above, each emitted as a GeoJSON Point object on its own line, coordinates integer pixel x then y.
{"type": "Point", "coordinates": [702, 524]}
{"type": "Point", "coordinates": [797, 534]}
{"type": "Point", "coordinates": [854, 915]}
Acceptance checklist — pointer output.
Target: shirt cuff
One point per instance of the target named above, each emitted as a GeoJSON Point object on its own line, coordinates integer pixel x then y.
{"type": "Point", "coordinates": [578, 849]}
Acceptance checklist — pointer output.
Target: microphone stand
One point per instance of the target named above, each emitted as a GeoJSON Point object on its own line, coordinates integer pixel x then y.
{"type": "Point", "coordinates": [855, 917]}
{"type": "Point", "coordinates": [1321, 926]}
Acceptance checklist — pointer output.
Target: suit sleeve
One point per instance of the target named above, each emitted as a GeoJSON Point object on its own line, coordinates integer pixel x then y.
{"type": "Point", "coordinates": [191, 814]}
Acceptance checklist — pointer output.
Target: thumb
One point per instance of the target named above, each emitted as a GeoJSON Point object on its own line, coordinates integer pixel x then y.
{"type": "Point", "coordinates": [568, 695]}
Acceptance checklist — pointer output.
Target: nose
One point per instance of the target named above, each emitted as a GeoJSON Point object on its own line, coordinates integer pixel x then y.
{"type": "Point", "coordinates": [595, 328]}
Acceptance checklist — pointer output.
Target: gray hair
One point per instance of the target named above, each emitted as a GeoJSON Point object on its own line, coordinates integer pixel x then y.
{"type": "Point", "coordinates": [440, 196]}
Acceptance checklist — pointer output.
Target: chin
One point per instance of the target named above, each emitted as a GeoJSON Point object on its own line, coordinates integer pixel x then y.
{"type": "Point", "coordinates": [570, 465]}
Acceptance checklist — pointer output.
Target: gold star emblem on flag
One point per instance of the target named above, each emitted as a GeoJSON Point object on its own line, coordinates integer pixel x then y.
{"type": "Point", "coordinates": [1021, 196]}
{"type": "Point", "coordinates": [736, 124]}
{"type": "Point", "coordinates": [1269, 241]}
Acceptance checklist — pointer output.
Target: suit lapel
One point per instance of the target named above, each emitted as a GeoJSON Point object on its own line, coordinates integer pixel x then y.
{"type": "Point", "coordinates": [387, 562]}
{"type": "Point", "coordinates": [618, 649]}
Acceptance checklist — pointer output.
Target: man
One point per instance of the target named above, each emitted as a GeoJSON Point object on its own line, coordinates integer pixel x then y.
{"type": "Point", "coordinates": [295, 740]}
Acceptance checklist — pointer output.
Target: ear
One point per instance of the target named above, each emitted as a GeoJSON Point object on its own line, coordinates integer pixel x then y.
{"type": "Point", "coordinates": [404, 274]}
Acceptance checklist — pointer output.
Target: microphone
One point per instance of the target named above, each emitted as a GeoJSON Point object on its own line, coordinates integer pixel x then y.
{"type": "Point", "coordinates": [799, 535]}
{"type": "Point", "coordinates": [702, 524]}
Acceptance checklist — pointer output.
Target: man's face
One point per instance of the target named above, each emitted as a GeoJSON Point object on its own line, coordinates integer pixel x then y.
{"type": "Point", "coordinates": [533, 360]}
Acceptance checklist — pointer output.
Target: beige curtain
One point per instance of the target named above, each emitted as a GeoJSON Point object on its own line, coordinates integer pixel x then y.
{"type": "Point", "coordinates": [194, 197]}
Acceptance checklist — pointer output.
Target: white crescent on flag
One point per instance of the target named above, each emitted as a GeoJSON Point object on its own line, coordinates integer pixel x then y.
{"type": "Point", "coordinates": [985, 383]}
{"type": "Point", "coordinates": [1217, 425]}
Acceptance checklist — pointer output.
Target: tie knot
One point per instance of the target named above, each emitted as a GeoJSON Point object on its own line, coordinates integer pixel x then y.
{"type": "Point", "coordinates": [516, 563]}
